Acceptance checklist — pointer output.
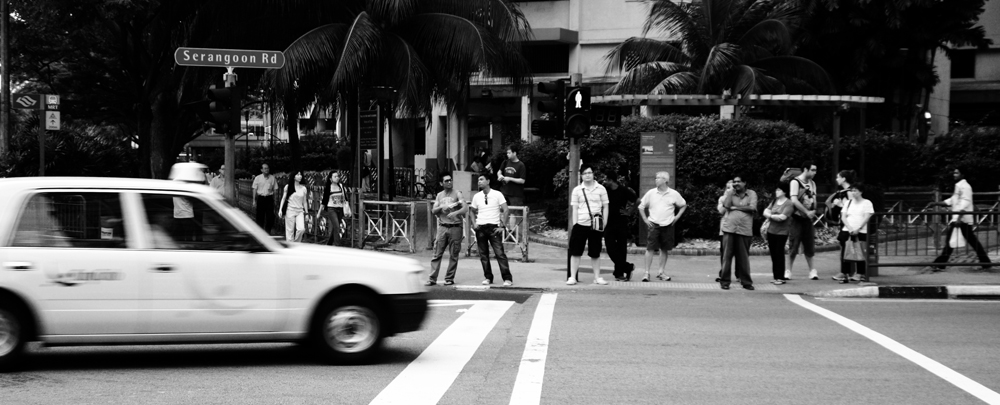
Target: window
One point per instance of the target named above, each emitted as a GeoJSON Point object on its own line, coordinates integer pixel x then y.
{"type": "Point", "coordinates": [188, 223]}
{"type": "Point", "coordinates": [963, 64]}
{"type": "Point", "coordinates": [547, 58]}
{"type": "Point", "coordinates": [71, 220]}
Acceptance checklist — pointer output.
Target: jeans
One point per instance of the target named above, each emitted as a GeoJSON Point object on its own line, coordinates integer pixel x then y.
{"type": "Point", "coordinates": [776, 244]}
{"type": "Point", "coordinates": [333, 216]}
{"type": "Point", "coordinates": [295, 225]}
{"type": "Point", "coordinates": [738, 247]}
{"type": "Point", "coordinates": [486, 236]}
{"type": "Point", "coordinates": [450, 239]}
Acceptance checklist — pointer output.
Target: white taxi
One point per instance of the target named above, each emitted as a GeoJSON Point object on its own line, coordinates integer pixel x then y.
{"type": "Point", "coordinates": [95, 261]}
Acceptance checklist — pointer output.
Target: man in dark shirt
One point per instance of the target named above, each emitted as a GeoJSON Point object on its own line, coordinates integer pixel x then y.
{"type": "Point", "coordinates": [620, 200]}
{"type": "Point", "coordinates": [511, 177]}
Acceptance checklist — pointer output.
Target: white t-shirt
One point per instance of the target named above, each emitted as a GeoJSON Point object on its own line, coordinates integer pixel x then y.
{"type": "Point", "coordinates": [662, 205]}
{"type": "Point", "coordinates": [855, 214]}
{"type": "Point", "coordinates": [488, 207]}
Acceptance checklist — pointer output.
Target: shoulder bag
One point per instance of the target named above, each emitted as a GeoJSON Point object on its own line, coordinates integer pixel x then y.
{"type": "Point", "coordinates": [767, 222]}
{"type": "Point", "coordinates": [596, 221]}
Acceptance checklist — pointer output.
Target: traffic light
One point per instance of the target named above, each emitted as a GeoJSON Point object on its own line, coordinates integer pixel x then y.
{"type": "Point", "coordinates": [552, 127]}
{"type": "Point", "coordinates": [578, 112]}
{"type": "Point", "coordinates": [224, 109]}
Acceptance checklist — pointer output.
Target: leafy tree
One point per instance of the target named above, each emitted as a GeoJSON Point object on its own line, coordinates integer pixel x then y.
{"type": "Point", "coordinates": [745, 46]}
{"type": "Point", "coordinates": [887, 48]}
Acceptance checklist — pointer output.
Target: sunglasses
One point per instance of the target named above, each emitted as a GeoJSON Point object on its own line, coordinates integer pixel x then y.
{"type": "Point", "coordinates": [486, 201]}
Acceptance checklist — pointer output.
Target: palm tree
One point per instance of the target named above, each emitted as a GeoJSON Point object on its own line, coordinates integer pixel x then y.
{"type": "Point", "coordinates": [744, 46]}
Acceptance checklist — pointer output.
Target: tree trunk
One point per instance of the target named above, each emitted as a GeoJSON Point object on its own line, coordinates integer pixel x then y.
{"type": "Point", "coordinates": [163, 136]}
{"type": "Point", "coordinates": [292, 125]}
{"type": "Point", "coordinates": [144, 116]}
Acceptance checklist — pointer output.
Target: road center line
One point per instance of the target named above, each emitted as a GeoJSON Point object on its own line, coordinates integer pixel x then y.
{"type": "Point", "coordinates": [965, 383]}
{"type": "Point", "coordinates": [531, 372]}
{"type": "Point", "coordinates": [428, 377]}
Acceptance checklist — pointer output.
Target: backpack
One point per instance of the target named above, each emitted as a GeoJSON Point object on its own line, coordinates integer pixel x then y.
{"type": "Point", "coordinates": [789, 174]}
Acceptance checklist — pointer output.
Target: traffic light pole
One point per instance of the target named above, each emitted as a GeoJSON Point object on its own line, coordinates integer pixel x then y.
{"type": "Point", "coordinates": [230, 159]}
{"type": "Point", "coordinates": [576, 79]}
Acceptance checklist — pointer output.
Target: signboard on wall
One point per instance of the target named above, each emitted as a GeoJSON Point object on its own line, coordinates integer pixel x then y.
{"type": "Point", "coordinates": [657, 153]}
{"type": "Point", "coordinates": [369, 120]}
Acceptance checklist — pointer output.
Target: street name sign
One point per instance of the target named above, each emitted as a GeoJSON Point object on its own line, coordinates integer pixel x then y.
{"type": "Point", "coordinates": [208, 57]}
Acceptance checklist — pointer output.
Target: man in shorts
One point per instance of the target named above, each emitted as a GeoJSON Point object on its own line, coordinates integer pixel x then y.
{"type": "Point", "coordinates": [665, 207]}
{"type": "Point", "coordinates": [589, 200]}
{"type": "Point", "coordinates": [802, 193]}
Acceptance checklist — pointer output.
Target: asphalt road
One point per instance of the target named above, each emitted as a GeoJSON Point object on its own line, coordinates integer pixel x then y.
{"type": "Point", "coordinates": [604, 347]}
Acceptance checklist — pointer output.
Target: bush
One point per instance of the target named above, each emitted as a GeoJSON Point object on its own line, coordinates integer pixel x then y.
{"type": "Point", "coordinates": [76, 150]}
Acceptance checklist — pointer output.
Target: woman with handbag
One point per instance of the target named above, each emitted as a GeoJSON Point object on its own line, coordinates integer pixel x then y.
{"type": "Point", "coordinates": [775, 230]}
{"type": "Point", "coordinates": [334, 206]}
{"type": "Point", "coordinates": [854, 236]}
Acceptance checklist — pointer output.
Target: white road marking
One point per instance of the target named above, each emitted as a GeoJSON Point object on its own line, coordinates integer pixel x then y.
{"type": "Point", "coordinates": [965, 383]}
{"type": "Point", "coordinates": [528, 385]}
{"type": "Point", "coordinates": [450, 303]}
{"type": "Point", "coordinates": [909, 300]}
{"type": "Point", "coordinates": [428, 377]}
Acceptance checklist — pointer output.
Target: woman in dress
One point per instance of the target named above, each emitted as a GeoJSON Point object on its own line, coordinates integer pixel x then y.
{"type": "Point", "coordinates": [294, 204]}
{"type": "Point", "coordinates": [333, 206]}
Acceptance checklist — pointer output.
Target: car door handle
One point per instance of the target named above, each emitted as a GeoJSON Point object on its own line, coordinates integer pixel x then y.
{"type": "Point", "coordinates": [163, 268]}
{"type": "Point", "coordinates": [18, 266]}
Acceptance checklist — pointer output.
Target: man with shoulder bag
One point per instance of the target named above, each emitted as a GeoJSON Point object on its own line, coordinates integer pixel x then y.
{"type": "Point", "coordinates": [590, 208]}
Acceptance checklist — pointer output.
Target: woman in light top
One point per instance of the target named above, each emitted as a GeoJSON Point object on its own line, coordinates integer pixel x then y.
{"type": "Point", "coordinates": [294, 204]}
{"type": "Point", "coordinates": [333, 206]}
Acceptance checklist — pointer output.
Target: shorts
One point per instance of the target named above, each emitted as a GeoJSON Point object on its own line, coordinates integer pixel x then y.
{"type": "Point", "coordinates": [802, 233]}
{"type": "Point", "coordinates": [583, 235]}
{"type": "Point", "coordinates": [660, 237]}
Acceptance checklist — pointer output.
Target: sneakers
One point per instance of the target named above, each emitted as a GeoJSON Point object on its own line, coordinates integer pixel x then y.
{"type": "Point", "coordinates": [856, 277]}
{"type": "Point", "coordinates": [600, 281]}
{"type": "Point", "coordinates": [813, 274]}
{"type": "Point", "coordinates": [508, 283]}
{"type": "Point", "coordinates": [449, 282]}
{"type": "Point", "coordinates": [571, 281]}
{"type": "Point", "coordinates": [778, 282]}
{"type": "Point", "coordinates": [839, 277]}
{"type": "Point", "coordinates": [430, 283]}
{"type": "Point", "coordinates": [487, 282]}
{"type": "Point", "coordinates": [662, 277]}
{"type": "Point", "coordinates": [788, 274]}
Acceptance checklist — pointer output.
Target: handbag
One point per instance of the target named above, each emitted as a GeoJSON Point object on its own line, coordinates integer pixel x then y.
{"type": "Point", "coordinates": [596, 221]}
{"type": "Point", "coordinates": [854, 250]}
{"type": "Point", "coordinates": [957, 240]}
{"type": "Point", "coordinates": [767, 223]}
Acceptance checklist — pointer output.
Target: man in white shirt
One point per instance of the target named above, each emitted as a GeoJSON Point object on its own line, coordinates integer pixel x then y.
{"type": "Point", "coordinates": [264, 187]}
{"type": "Point", "coordinates": [961, 201]}
{"type": "Point", "coordinates": [589, 200]}
{"type": "Point", "coordinates": [489, 211]}
{"type": "Point", "coordinates": [219, 182]}
{"type": "Point", "coordinates": [665, 206]}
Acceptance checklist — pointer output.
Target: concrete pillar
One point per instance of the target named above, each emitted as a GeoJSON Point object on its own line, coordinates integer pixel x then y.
{"type": "Point", "coordinates": [525, 119]}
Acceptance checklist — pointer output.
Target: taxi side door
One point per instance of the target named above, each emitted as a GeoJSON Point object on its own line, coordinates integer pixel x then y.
{"type": "Point", "coordinates": [204, 274]}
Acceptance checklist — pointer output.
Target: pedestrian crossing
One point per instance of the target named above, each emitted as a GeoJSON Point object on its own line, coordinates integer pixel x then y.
{"type": "Point", "coordinates": [670, 285]}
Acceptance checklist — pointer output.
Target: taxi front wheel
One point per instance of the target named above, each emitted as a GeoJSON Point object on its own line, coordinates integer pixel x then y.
{"type": "Point", "coordinates": [11, 339]}
{"type": "Point", "coordinates": [348, 330]}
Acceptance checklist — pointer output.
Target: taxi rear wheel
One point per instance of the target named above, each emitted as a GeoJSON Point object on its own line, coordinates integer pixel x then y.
{"type": "Point", "coordinates": [11, 339]}
{"type": "Point", "coordinates": [348, 330]}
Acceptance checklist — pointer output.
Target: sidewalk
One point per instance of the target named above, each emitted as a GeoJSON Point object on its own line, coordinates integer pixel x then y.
{"type": "Point", "coordinates": [547, 271]}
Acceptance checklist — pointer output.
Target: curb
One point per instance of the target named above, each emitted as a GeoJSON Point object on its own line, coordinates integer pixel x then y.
{"type": "Point", "coordinates": [922, 292]}
{"type": "Point", "coordinates": [498, 288]}
{"type": "Point", "coordinates": [635, 250]}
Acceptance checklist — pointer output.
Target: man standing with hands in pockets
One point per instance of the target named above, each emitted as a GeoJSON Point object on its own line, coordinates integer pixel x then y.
{"type": "Point", "coordinates": [665, 207]}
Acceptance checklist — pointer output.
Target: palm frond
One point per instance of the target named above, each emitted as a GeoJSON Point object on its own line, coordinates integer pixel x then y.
{"type": "Point", "coordinates": [358, 52]}
{"type": "Point", "coordinates": [391, 12]}
{"type": "Point", "coordinates": [643, 78]}
{"type": "Point", "coordinates": [748, 80]}
{"type": "Point", "coordinates": [639, 50]}
{"type": "Point", "coordinates": [769, 35]}
{"type": "Point", "coordinates": [721, 59]}
{"type": "Point", "coordinates": [679, 20]}
{"type": "Point", "coordinates": [408, 75]}
{"type": "Point", "coordinates": [308, 55]}
{"type": "Point", "coordinates": [786, 67]}
{"type": "Point", "coordinates": [677, 83]}
{"type": "Point", "coordinates": [502, 17]}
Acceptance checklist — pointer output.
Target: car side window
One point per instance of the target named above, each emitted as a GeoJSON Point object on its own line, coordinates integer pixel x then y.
{"type": "Point", "coordinates": [189, 223]}
{"type": "Point", "coordinates": [71, 220]}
